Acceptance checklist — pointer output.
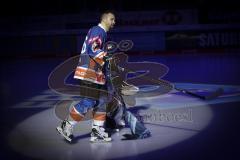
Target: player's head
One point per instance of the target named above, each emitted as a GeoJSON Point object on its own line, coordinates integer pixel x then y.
{"type": "Point", "coordinates": [108, 19]}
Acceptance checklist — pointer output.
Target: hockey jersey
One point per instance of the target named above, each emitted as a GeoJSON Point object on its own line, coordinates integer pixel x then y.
{"type": "Point", "coordinates": [91, 59]}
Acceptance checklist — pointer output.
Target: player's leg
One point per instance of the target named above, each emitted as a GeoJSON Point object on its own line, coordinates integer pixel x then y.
{"type": "Point", "coordinates": [99, 117]}
{"type": "Point", "coordinates": [98, 130]}
{"type": "Point", "coordinates": [77, 113]}
{"type": "Point", "coordinates": [116, 110]}
{"type": "Point", "coordinates": [139, 131]}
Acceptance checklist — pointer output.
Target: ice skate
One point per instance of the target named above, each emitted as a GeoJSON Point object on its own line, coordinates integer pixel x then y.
{"type": "Point", "coordinates": [66, 129]}
{"type": "Point", "coordinates": [99, 135]}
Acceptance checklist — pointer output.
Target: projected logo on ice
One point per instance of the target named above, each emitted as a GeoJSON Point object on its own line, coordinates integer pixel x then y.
{"type": "Point", "coordinates": [145, 75]}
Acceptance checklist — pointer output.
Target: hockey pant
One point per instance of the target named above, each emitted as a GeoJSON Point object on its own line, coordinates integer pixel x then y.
{"type": "Point", "coordinates": [80, 108]}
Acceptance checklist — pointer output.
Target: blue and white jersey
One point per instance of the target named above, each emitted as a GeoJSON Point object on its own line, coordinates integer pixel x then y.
{"type": "Point", "coordinates": [91, 59]}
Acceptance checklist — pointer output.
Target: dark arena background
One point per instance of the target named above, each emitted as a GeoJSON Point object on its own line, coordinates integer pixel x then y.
{"type": "Point", "coordinates": [197, 42]}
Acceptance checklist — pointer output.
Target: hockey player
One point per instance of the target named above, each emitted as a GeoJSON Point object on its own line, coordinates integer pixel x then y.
{"type": "Point", "coordinates": [90, 72]}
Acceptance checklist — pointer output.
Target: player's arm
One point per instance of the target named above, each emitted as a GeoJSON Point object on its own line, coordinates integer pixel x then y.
{"type": "Point", "coordinates": [96, 51]}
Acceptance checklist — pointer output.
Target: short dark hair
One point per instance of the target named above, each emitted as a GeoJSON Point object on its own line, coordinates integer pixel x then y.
{"type": "Point", "coordinates": [105, 13]}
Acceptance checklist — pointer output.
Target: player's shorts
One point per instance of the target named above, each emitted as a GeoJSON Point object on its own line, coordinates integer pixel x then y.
{"type": "Point", "coordinates": [92, 96]}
